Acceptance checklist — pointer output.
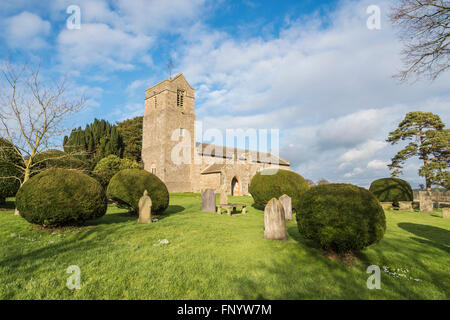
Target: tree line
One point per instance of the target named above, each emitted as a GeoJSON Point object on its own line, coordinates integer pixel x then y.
{"type": "Point", "coordinates": [101, 139]}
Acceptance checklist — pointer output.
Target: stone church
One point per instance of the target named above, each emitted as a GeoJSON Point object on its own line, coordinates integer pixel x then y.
{"type": "Point", "coordinates": [169, 109]}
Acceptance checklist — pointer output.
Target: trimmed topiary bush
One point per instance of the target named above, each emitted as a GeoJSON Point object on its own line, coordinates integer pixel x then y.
{"type": "Point", "coordinates": [265, 185]}
{"type": "Point", "coordinates": [9, 159]}
{"type": "Point", "coordinates": [58, 197]}
{"type": "Point", "coordinates": [391, 190]}
{"type": "Point", "coordinates": [341, 217]}
{"type": "Point", "coordinates": [127, 186]}
{"type": "Point", "coordinates": [107, 167]}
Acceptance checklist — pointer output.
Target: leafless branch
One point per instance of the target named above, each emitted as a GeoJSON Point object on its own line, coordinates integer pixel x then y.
{"type": "Point", "coordinates": [32, 111]}
{"type": "Point", "coordinates": [424, 29]}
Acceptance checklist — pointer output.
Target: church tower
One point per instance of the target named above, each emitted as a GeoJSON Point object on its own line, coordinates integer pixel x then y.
{"type": "Point", "coordinates": [169, 119]}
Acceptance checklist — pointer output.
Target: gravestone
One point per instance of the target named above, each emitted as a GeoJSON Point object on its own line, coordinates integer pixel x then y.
{"type": "Point", "coordinates": [286, 201]}
{"type": "Point", "coordinates": [386, 205]}
{"type": "Point", "coordinates": [274, 221]}
{"type": "Point", "coordinates": [223, 198]}
{"type": "Point", "coordinates": [405, 205]}
{"type": "Point", "coordinates": [145, 209]}
{"type": "Point", "coordinates": [426, 203]}
{"type": "Point", "coordinates": [208, 200]}
{"type": "Point", "coordinates": [446, 213]}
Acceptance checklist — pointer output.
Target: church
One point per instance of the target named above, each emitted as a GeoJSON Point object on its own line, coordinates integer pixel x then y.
{"type": "Point", "coordinates": [169, 109]}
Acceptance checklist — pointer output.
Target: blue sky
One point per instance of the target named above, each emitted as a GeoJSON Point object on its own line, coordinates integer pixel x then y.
{"type": "Point", "coordinates": [310, 68]}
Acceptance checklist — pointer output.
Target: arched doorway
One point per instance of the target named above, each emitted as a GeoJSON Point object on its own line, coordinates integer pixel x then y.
{"type": "Point", "coordinates": [235, 188]}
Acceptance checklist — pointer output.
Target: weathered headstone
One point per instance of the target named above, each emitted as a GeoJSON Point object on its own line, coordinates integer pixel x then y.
{"type": "Point", "coordinates": [446, 213]}
{"type": "Point", "coordinates": [274, 221]}
{"type": "Point", "coordinates": [208, 200]}
{"type": "Point", "coordinates": [405, 205]}
{"type": "Point", "coordinates": [426, 202]}
{"type": "Point", "coordinates": [386, 205]}
{"type": "Point", "coordinates": [223, 198]}
{"type": "Point", "coordinates": [145, 209]}
{"type": "Point", "coordinates": [286, 201]}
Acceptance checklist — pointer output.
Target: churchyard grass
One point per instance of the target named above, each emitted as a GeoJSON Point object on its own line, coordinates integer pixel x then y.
{"type": "Point", "coordinates": [216, 257]}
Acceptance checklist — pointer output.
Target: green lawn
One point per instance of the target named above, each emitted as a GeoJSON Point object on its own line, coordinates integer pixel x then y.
{"type": "Point", "coordinates": [216, 257]}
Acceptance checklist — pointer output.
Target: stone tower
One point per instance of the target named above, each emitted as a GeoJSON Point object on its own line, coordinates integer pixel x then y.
{"type": "Point", "coordinates": [168, 120]}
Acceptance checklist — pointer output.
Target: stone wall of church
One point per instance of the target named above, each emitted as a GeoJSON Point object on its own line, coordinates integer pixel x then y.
{"type": "Point", "coordinates": [243, 172]}
{"type": "Point", "coordinates": [210, 181]}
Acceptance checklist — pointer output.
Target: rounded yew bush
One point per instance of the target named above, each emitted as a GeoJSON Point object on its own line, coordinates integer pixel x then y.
{"type": "Point", "coordinates": [58, 197]}
{"type": "Point", "coordinates": [271, 183]}
{"type": "Point", "coordinates": [9, 159]}
{"type": "Point", "coordinates": [341, 217]}
{"type": "Point", "coordinates": [127, 187]}
{"type": "Point", "coordinates": [391, 190]}
{"type": "Point", "coordinates": [107, 167]}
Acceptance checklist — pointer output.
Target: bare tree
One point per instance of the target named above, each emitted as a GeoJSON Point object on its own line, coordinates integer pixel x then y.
{"type": "Point", "coordinates": [424, 27]}
{"type": "Point", "coordinates": [322, 181]}
{"type": "Point", "coordinates": [32, 115]}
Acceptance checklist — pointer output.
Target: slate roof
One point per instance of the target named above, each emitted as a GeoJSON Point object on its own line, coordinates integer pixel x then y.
{"type": "Point", "coordinates": [227, 152]}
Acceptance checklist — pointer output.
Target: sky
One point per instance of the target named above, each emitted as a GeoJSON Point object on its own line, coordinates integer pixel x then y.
{"type": "Point", "coordinates": [311, 69]}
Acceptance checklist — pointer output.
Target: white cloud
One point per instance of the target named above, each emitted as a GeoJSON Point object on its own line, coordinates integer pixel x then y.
{"type": "Point", "coordinates": [377, 164]}
{"type": "Point", "coordinates": [353, 128]}
{"type": "Point", "coordinates": [363, 151]}
{"type": "Point", "coordinates": [320, 71]}
{"type": "Point", "coordinates": [118, 35]}
{"type": "Point", "coordinates": [355, 172]}
{"type": "Point", "coordinates": [128, 112]}
{"type": "Point", "coordinates": [100, 45]}
{"type": "Point", "coordinates": [139, 86]}
{"type": "Point", "coordinates": [26, 31]}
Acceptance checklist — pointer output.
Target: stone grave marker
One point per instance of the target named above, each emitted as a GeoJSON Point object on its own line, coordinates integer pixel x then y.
{"type": "Point", "coordinates": [208, 200]}
{"type": "Point", "coordinates": [426, 203]}
{"type": "Point", "coordinates": [223, 198]}
{"type": "Point", "coordinates": [286, 201]}
{"type": "Point", "coordinates": [386, 205]}
{"type": "Point", "coordinates": [446, 213]}
{"type": "Point", "coordinates": [145, 209]}
{"type": "Point", "coordinates": [405, 205]}
{"type": "Point", "coordinates": [274, 221]}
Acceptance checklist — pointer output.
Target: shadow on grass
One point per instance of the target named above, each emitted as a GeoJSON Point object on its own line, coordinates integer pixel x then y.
{"type": "Point", "coordinates": [432, 233]}
{"type": "Point", "coordinates": [121, 217]}
{"type": "Point", "coordinates": [320, 277]}
{"type": "Point", "coordinates": [437, 237]}
{"type": "Point", "coordinates": [295, 234]}
{"type": "Point", "coordinates": [17, 263]}
{"type": "Point", "coordinates": [112, 218]}
{"type": "Point", "coordinates": [171, 209]}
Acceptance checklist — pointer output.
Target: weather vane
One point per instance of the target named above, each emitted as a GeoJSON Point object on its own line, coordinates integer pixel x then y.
{"type": "Point", "coordinates": [170, 66]}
